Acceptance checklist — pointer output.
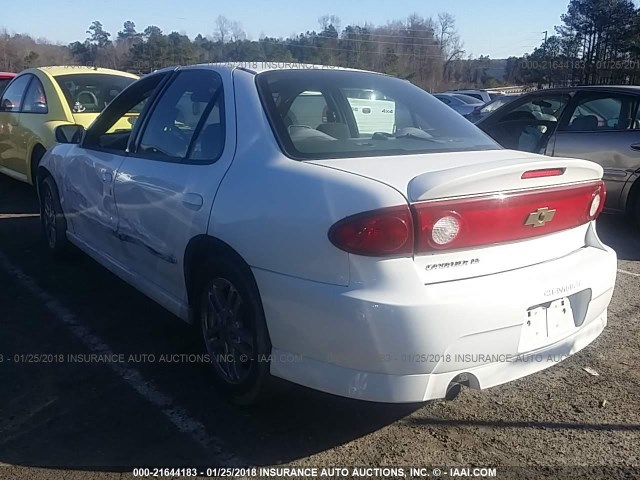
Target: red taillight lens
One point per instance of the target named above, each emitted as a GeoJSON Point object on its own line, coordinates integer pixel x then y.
{"type": "Point", "coordinates": [505, 217]}
{"type": "Point", "coordinates": [386, 232]}
{"type": "Point", "coordinates": [468, 222]}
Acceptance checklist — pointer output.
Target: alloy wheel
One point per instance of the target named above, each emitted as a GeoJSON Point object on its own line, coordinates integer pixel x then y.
{"type": "Point", "coordinates": [228, 339]}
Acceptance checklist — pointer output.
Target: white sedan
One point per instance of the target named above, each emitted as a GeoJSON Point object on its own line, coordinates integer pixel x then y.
{"type": "Point", "coordinates": [386, 266]}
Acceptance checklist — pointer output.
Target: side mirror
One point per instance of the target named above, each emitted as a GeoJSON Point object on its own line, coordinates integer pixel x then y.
{"type": "Point", "coordinates": [69, 133]}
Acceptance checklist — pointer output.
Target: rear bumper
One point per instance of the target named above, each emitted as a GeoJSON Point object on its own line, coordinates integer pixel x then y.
{"type": "Point", "coordinates": [402, 341]}
{"type": "Point", "coordinates": [378, 387]}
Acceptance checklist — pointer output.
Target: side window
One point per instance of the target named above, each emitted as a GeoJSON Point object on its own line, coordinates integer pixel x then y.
{"type": "Point", "coordinates": [634, 123]}
{"type": "Point", "coordinates": [14, 94]}
{"type": "Point", "coordinates": [182, 111]}
{"type": "Point", "coordinates": [547, 108]}
{"type": "Point", "coordinates": [209, 142]}
{"type": "Point", "coordinates": [600, 113]}
{"type": "Point", "coordinates": [444, 100]}
{"type": "Point", "coordinates": [35, 100]}
{"type": "Point", "coordinates": [112, 129]}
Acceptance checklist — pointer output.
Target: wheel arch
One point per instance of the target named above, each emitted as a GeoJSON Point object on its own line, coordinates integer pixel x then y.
{"type": "Point", "coordinates": [37, 152]}
{"type": "Point", "coordinates": [42, 173]}
{"type": "Point", "coordinates": [199, 249]}
{"type": "Point", "coordinates": [631, 206]}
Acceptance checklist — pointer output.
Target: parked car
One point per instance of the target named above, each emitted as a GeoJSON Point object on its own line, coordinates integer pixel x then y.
{"type": "Point", "coordinates": [484, 110]}
{"type": "Point", "coordinates": [482, 95]}
{"type": "Point", "coordinates": [5, 78]}
{"type": "Point", "coordinates": [462, 104]}
{"type": "Point", "coordinates": [388, 268]}
{"type": "Point", "coordinates": [601, 124]}
{"type": "Point", "coordinates": [39, 99]}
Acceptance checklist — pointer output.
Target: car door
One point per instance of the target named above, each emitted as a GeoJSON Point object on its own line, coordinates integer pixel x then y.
{"type": "Point", "coordinates": [13, 149]}
{"type": "Point", "coordinates": [527, 124]}
{"type": "Point", "coordinates": [91, 167]}
{"type": "Point", "coordinates": [165, 189]}
{"type": "Point", "coordinates": [603, 127]}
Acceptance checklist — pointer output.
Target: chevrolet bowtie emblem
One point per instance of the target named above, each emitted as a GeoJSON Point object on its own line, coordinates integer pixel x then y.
{"type": "Point", "coordinates": [540, 217]}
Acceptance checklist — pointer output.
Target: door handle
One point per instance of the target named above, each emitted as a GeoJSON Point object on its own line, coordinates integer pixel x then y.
{"type": "Point", "coordinates": [635, 146]}
{"type": "Point", "coordinates": [193, 201]}
{"type": "Point", "coordinates": [107, 177]}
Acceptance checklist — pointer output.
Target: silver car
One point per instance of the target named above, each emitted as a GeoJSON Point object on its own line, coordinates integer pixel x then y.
{"type": "Point", "coordinates": [463, 104]}
{"type": "Point", "coordinates": [600, 123]}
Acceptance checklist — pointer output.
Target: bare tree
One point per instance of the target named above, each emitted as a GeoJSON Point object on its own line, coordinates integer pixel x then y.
{"type": "Point", "coordinates": [237, 32]}
{"type": "Point", "coordinates": [451, 48]}
{"type": "Point", "coordinates": [223, 27]}
{"type": "Point", "coordinates": [326, 21]}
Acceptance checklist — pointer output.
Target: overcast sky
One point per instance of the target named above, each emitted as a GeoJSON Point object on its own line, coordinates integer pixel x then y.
{"type": "Point", "coordinates": [498, 28]}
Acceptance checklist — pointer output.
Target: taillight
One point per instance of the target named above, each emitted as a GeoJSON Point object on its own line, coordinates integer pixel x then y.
{"type": "Point", "coordinates": [387, 232]}
{"type": "Point", "coordinates": [597, 202]}
{"type": "Point", "coordinates": [446, 229]}
{"type": "Point", "coordinates": [506, 217]}
{"type": "Point", "coordinates": [468, 222]}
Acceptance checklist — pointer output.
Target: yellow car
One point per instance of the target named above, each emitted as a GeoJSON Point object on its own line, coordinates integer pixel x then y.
{"type": "Point", "coordinates": [40, 99]}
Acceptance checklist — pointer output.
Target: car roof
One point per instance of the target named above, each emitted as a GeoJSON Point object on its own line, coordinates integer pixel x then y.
{"type": "Point", "coordinates": [462, 90]}
{"type": "Point", "coordinates": [264, 66]}
{"type": "Point", "coordinates": [590, 88]}
{"type": "Point", "coordinates": [57, 71]}
{"type": "Point", "coordinates": [456, 94]}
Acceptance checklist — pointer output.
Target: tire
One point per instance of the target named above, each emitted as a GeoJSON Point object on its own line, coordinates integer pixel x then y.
{"type": "Point", "coordinates": [54, 225]}
{"type": "Point", "coordinates": [232, 326]}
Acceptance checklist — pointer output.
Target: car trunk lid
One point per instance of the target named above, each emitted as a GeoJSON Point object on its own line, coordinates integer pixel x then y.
{"type": "Point", "coordinates": [512, 209]}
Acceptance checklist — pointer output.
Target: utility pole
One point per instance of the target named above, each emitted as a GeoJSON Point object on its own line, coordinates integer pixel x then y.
{"type": "Point", "coordinates": [546, 33]}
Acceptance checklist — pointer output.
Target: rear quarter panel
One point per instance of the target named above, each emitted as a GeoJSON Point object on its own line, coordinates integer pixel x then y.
{"type": "Point", "coordinates": [276, 212]}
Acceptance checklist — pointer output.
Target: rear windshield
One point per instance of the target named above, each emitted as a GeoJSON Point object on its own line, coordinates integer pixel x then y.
{"type": "Point", "coordinates": [468, 99]}
{"type": "Point", "coordinates": [91, 92]}
{"type": "Point", "coordinates": [320, 114]}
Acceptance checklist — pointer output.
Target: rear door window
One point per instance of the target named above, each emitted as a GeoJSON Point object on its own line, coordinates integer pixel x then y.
{"type": "Point", "coordinates": [600, 112]}
{"type": "Point", "coordinates": [209, 142]}
{"type": "Point", "coordinates": [13, 96]}
{"type": "Point", "coordinates": [35, 100]}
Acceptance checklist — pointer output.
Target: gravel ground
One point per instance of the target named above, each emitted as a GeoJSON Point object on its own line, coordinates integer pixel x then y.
{"type": "Point", "coordinates": [93, 420]}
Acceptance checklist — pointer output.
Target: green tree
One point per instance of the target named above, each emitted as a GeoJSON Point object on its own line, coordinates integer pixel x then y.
{"type": "Point", "coordinates": [98, 36]}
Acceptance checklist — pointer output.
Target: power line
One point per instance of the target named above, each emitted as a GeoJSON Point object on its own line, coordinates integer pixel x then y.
{"type": "Point", "coordinates": [375, 41]}
{"type": "Point", "coordinates": [350, 50]}
{"type": "Point", "coordinates": [399, 34]}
